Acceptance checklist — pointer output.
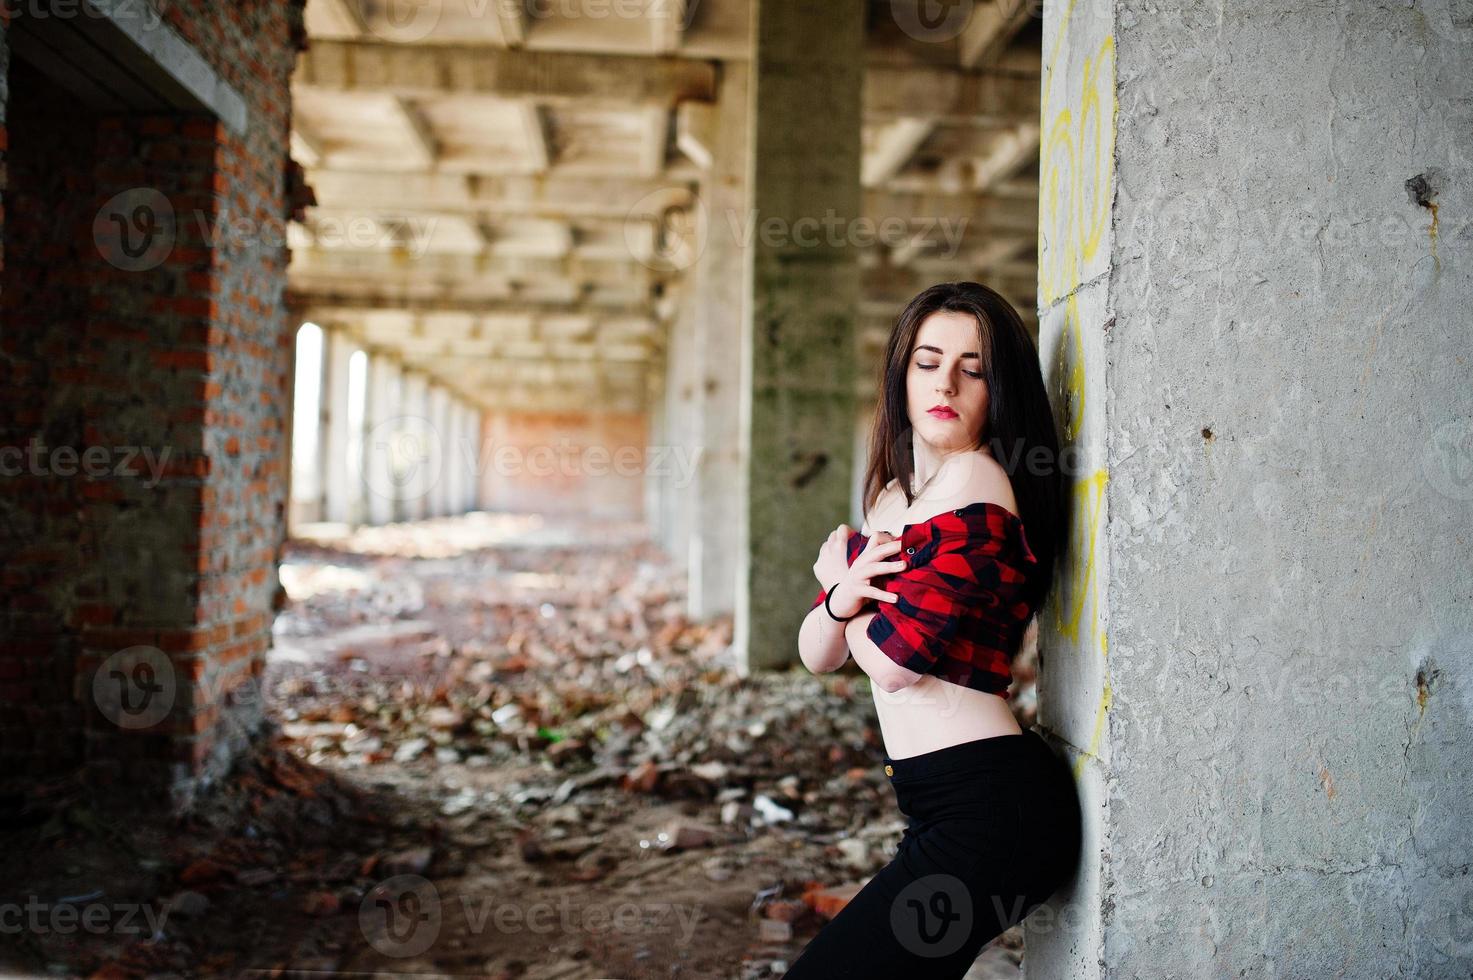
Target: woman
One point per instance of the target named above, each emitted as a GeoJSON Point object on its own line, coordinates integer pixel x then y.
{"type": "Point", "coordinates": [931, 599]}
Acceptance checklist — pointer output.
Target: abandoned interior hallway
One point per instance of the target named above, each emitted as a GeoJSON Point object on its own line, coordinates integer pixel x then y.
{"type": "Point", "coordinates": [517, 717]}
{"type": "Point", "coordinates": [419, 419]}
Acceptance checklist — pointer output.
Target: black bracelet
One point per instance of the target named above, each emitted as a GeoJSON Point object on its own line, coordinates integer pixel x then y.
{"type": "Point", "coordinates": [826, 608]}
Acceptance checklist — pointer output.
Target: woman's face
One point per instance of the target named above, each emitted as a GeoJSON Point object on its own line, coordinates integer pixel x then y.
{"type": "Point", "coordinates": [945, 369]}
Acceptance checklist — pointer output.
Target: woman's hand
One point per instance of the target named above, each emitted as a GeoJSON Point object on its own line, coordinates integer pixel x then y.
{"type": "Point", "coordinates": [850, 592]}
{"type": "Point", "coordinates": [833, 557]}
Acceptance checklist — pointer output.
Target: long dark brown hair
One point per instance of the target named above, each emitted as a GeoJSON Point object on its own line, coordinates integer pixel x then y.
{"type": "Point", "coordinates": [1020, 422]}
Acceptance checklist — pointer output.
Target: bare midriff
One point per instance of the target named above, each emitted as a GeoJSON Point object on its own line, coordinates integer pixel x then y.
{"type": "Point", "coordinates": [932, 714]}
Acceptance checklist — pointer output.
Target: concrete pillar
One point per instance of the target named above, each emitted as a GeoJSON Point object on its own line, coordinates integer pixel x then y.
{"type": "Point", "coordinates": [470, 451]}
{"type": "Point", "coordinates": [459, 459]}
{"type": "Point", "coordinates": [440, 451]}
{"type": "Point", "coordinates": [722, 330]}
{"type": "Point", "coordinates": [413, 447]}
{"type": "Point", "coordinates": [681, 434]}
{"type": "Point", "coordinates": [807, 73]}
{"type": "Point", "coordinates": [452, 456]}
{"type": "Point", "coordinates": [478, 462]}
{"type": "Point", "coordinates": [383, 408]}
{"type": "Point", "coordinates": [655, 483]}
{"type": "Point", "coordinates": [489, 479]}
{"type": "Point", "coordinates": [339, 483]}
{"type": "Point", "coordinates": [309, 428]}
{"type": "Point", "coordinates": [1258, 652]}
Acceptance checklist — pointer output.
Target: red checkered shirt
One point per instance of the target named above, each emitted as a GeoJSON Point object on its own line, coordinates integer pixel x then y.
{"type": "Point", "coordinates": [959, 613]}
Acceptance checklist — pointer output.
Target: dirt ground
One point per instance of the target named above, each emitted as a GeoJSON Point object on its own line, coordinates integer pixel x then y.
{"type": "Point", "coordinates": [494, 748]}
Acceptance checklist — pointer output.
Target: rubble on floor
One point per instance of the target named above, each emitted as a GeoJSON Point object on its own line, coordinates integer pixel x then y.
{"type": "Point", "coordinates": [509, 718]}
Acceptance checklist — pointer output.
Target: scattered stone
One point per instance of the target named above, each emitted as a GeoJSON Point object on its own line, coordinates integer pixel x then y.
{"type": "Point", "coordinates": [775, 931]}
{"type": "Point", "coordinates": [411, 862]}
{"type": "Point", "coordinates": [827, 902]}
{"type": "Point", "coordinates": [188, 903]}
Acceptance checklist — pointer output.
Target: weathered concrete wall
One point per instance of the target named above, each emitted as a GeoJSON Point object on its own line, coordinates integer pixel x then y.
{"type": "Point", "coordinates": [1278, 377]}
{"type": "Point", "coordinates": [1074, 239]}
{"type": "Point", "coordinates": [723, 333]}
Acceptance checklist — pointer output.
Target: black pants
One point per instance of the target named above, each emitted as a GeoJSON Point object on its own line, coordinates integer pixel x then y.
{"type": "Point", "coordinates": [994, 829]}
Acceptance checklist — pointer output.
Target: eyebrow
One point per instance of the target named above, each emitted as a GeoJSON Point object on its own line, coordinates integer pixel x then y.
{"type": "Point", "coordinates": [920, 347]}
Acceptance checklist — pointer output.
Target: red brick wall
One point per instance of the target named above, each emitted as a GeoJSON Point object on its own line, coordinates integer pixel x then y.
{"type": "Point", "coordinates": [188, 355]}
{"type": "Point", "coordinates": [565, 463]}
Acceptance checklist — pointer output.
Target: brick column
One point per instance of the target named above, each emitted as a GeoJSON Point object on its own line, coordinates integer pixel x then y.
{"type": "Point", "coordinates": [143, 422]}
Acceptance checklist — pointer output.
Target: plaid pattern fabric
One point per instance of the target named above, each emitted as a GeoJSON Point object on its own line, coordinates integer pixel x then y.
{"type": "Point", "coordinates": [959, 614]}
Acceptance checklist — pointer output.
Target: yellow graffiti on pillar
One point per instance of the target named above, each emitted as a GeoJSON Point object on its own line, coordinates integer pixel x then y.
{"type": "Point", "coordinates": [1080, 602]}
{"type": "Point", "coordinates": [1076, 168]}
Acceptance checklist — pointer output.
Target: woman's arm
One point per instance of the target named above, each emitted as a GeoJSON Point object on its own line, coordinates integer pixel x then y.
{"type": "Point", "coordinates": [883, 672]}
{"type": "Point", "coordinates": [821, 642]}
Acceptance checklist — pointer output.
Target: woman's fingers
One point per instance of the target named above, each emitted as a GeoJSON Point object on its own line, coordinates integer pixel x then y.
{"type": "Point", "coordinates": [872, 561]}
{"type": "Point", "coordinates": [880, 594]}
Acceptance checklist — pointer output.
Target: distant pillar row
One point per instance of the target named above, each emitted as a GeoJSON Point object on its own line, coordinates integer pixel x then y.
{"type": "Point", "coordinates": [402, 448]}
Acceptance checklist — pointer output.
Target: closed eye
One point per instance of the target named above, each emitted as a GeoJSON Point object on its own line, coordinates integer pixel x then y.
{"type": "Point", "coordinates": [932, 367]}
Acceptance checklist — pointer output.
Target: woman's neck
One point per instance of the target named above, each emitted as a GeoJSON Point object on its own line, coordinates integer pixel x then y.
{"type": "Point", "coordinates": [926, 465]}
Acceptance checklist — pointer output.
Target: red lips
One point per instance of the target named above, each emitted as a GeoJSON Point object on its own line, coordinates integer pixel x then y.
{"type": "Point", "coordinates": [941, 412]}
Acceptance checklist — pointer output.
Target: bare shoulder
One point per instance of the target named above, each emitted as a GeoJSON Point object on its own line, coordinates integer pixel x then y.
{"type": "Point", "coordinates": [982, 478]}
